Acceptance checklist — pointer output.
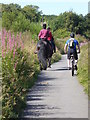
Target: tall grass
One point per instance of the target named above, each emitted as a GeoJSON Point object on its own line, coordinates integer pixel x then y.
{"type": "Point", "coordinates": [83, 67]}
{"type": "Point", "coordinates": [89, 69]}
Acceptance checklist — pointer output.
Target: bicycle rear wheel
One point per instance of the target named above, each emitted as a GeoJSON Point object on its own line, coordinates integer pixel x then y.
{"type": "Point", "coordinates": [72, 68]}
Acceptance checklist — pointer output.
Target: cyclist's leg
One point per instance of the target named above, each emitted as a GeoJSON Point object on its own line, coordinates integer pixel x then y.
{"type": "Point", "coordinates": [68, 58]}
{"type": "Point", "coordinates": [76, 58]}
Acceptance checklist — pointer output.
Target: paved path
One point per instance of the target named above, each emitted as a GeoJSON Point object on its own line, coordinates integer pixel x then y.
{"type": "Point", "coordinates": [57, 94]}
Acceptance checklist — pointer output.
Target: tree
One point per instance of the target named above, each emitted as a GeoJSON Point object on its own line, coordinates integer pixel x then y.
{"type": "Point", "coordinates": [8, 19]}
{"type": "Point", "coordinates": [87, 26]}
{"type": "Point", "coordinates": [31, 12]}
{"type": "Point", "coordinates": [11, 7]}
{"type": "Point", "coordinates": [20, 24]}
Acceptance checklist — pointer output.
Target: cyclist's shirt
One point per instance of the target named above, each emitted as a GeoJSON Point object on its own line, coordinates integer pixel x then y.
{"type": "Point", "coordinates": [75, 43]}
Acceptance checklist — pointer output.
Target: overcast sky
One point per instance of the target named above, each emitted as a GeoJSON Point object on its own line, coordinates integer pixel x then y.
{"type": "Point", "coordinates": [54, 6]}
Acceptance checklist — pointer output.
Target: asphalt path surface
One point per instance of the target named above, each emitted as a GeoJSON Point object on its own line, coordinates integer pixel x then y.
{"type": "Point", "coordinates": [57, 94]}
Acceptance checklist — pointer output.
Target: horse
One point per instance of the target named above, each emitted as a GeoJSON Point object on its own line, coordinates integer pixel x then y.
{"type": "Point", "coordinates": [45, 52]}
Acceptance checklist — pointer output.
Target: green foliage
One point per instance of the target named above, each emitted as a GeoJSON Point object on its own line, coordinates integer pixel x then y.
{"type": "Point", "coordinates": [13, 16]}
{"type": "Point", "coordinates": [61, 33]}
{"type": "Point", "coordinates": [18, 71]}
{"type": "Point", "coordinates": [31, 12]}
{"type": "Point", "coordinates": [50, 20]}
{"type": "Point", "coordinates": [11, 7]}
{"type": "Point", "coordinates": [15, 23]}
{"type": "Point", "coordinates": [18, 19]}
{"type": "Point", "coordinates": [87, 26]}
{"type": "Point", "coordinates": [59, 22]}
{"type": "Point", "coordinates": [8, 19]}
{"type": "Point", "coordinates": [60, 45]}
{"type": "Point", "coordinates": [21, 24]}
{"type": "Point", "coordinates": [56, 57]}
{"type": "Point", "coordinates": [14, 83]}
{"type": "Point", "coordinates": [83, 67]}
{"type": "Point", "coordinates": [19, 74]}
{"type": "Point", "coordinates": [35, 29]}
{"type": "Point", "coordinates": [89, 69]}
{"type": "Point", "coordinates": [0, 23]}
{"type": "Point", "coordinates": [72, 23]}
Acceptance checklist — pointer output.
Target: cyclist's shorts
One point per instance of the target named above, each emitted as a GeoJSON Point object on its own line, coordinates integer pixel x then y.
{"type": "Point", "coordinates": [70, 52]}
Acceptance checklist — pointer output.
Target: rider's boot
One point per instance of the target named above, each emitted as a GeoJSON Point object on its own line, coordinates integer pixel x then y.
{"type": "Point", "coordinates": [36, 52]}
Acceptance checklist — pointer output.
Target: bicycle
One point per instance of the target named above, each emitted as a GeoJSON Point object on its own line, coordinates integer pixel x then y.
{"type": "Point", "coordinates": [74, 67]}
{"type": "Point", "coordinates": [72, 61]}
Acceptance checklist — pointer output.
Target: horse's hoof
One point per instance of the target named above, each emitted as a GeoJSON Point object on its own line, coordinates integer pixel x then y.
{"type": "Point", "coordinates": [41, 68]}
{"type": "Point", "coordinates": [49, 66]}
{"type": "Point", "coordinates": [45, 68]}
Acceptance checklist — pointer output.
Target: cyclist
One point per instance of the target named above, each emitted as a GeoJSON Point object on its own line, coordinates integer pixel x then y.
{"type": "Point", "coordinates": [71, 44]}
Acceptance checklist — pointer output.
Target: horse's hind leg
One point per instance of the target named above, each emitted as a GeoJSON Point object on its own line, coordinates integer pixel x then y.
{"type": "Point", "coordinates": [49, 62]}
{"type": "Point", "coordinates": [40, 66]}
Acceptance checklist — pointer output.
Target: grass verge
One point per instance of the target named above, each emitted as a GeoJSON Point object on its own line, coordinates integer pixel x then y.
{"type": "Point", "coordinates": [83, 67]}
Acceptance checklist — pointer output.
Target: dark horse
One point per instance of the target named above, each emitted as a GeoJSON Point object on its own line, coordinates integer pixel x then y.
{"type": "Point", "coordinates": [44, 53]}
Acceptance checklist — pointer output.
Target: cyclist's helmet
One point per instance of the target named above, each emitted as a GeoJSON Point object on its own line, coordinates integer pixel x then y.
{"type": "Point", "coordinates": [44, 25]}
{"type": "Point", "coordinates": [72, 35]}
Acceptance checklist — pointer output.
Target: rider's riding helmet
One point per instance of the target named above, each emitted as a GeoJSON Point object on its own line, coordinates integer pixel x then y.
{"type": "Point", "coordinates": [48, 28]}
{"type": "Point", "coordinates": [72, 35]}
{"type": "Point", "coordinates": [44, 25]}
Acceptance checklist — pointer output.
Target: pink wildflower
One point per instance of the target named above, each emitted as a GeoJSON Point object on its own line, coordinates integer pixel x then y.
{"type": "Point", "coordinates": [14, 53]}
{"type": "Point", "coordinates": [15, 65]}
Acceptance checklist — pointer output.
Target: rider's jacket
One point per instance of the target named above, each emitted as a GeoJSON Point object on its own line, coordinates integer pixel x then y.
{"type": "Point", "coordinates": [75, 43]}
{"type": "Point", "coordinates": [49, 36]}
{"type": "Point", "coordinates": [43, 34]}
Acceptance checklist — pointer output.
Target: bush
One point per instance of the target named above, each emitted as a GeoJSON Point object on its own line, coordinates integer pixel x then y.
{"type": "Point", "coordinates": [21, 24]}
{"type": "Point", "coordinates": [56, 57]}
{"type": "Point", "coordinates": [61, 33]}
{"type": "Point", "coordinates": [35, 29]}
{"type": "Point", "coordinates": [13, 83]}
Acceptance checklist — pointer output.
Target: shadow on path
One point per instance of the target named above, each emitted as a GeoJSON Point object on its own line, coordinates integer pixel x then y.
{"type": "Point", "coordinates": [59, 69]}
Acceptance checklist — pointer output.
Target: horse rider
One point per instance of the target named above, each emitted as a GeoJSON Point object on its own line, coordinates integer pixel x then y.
{"type": "Point", "coordinates": [43, 35]}
{"type": "Point", "coordinates": [51, 39]}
